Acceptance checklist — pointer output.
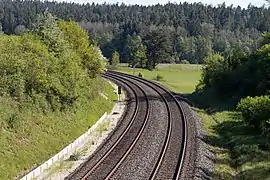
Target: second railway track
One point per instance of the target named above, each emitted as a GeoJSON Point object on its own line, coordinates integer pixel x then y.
{"type": "Point", "coordinates": [142, 151]}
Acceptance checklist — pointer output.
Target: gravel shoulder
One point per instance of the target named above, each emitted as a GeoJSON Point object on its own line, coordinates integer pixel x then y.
{"type": "Point", "coordinates": [87, 148]}
{"type": "Point", "coordinates": [205, 160]}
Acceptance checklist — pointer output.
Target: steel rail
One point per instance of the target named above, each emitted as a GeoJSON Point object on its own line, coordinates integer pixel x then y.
{"type": "Point", "coordinates": [184, 129]}
{"type": "Point", "coordinates": [128, 126]}
{"type": "Point", "coordinates": [121, 137]}
{"type": "Point", "coordinates": [167, 135]}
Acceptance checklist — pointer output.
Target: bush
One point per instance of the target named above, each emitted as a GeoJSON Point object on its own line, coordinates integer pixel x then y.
{"type": "Point", "coordinates": [256, 111]}
{"type": "Point", "coordinates": [177, 61]}
{"type": "Point", "coordinates": [239, 75]}
{"type": "Point", "coordinates": [140, 75]}
{"type": "Point", "coordinates": [159, 77]}
{"type": "Point", "coordinates": [51, 67]}
{"type": "Point", "coordinates": [115, 59]}
{"type": "Point", "coordinates": [74, 157]}
{"type": "Point", "coordinates": [214, 70]}
{"type": "Point", "coordinates": [184, 62]}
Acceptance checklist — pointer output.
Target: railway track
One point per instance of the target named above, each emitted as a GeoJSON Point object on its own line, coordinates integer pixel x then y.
{"type": "Point", "coordinates": [125, 157]}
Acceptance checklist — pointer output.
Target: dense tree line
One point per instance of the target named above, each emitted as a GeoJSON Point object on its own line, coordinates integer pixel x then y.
{"type": "Point", "coordinates": [189, 31]}
{"type": "Point", "coordinates": [241, 76]}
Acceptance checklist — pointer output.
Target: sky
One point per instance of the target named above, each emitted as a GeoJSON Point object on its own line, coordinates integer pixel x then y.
{"type": "Point", "coordinates": [242, 3]}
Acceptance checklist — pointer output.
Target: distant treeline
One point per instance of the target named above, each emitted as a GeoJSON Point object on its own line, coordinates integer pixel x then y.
{"type": "Point", "coordinates": [192, 31]}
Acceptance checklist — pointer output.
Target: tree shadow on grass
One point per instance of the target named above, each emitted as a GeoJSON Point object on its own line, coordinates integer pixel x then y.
{"type": "Point", "coordinates": [257, 173]}
{"type": "Point", "coordinates": [211, 101]}
{"type": "Point", "coordinates": [246, 147]}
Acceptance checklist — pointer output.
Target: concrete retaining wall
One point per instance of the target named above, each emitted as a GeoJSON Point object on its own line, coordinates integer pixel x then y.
{"type": "Point", "coordinates": [67, 151]}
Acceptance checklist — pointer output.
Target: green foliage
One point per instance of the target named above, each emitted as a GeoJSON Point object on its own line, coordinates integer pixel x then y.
{"type": "Point", "coordinates": [20, 29]}
{"type": "Point", "coordinates": [159, 77]}
{"type": "Point", "coordinates": [115, 59]}
{"type": "Point", "coordinates": [140, 75]}
{"type": "Point", "coordinates": [213, 70]}
{"type": "Point", "coordinates": [256, 111]}
{"type": "Point", "coordinates": [184, 62]}
{"type": "Point", "coordinates": [49, 67]}
{"type": "Point", "coordinates": [33, 136]}
{"type": "Point", "coordinates": [193, 30]}
{"type": "Point", "coordinates": [158, 48]}
{"type": "Point", "coordinates": [1, 29]}
{"type": "Point", "coordinates": [203, 49]}
{"type": "Point", "coordinates": [265, 38]}
{"type": "Point", "coordinates": [90, 55]}
{"type": "Point", "coordinates": [9, 113]}
{"type": "Point", "coordinates": [136, 51]}
{"type": "Point", "coordinates": [266, 132]}
{"type": "Point", "coordinates": [102, 127]}
{"type": "Point", "coordinates": [46, 27]}
{"type": "Point", "coordinates": [49, 87]}
{"type": "Point", "coordinates": [74, 157]}
{"type": "Point", "coordinates": [239, 75]}
{"type": "Point", "coordinates": [241, 152]}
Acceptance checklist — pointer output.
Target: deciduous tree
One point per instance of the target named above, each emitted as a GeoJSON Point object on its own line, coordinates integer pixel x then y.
{"type": "Point", "coordinates": [115, 59]}
{"type": "Point", "coordinates": [158, 48]}
{"type": "Point", "coordinates": [136, 51]}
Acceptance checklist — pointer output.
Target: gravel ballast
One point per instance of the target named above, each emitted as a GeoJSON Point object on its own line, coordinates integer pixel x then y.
{"type": "Point", "coordinates": [141, 160]}
{"type": "Point", "coordinates": [198, 159]}
{"type": "Point", "coordinates": [162, 132]}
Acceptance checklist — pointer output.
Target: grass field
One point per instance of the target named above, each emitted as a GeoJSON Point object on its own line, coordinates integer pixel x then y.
{"type": "Point", "coordinates": [177, 77]}
{"type": "Point", "coordinates": [241, 151]}
{"type": "Point", "coordinates": [37, 136]}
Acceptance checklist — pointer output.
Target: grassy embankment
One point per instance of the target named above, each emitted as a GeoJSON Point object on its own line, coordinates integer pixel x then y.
{"type": "Point", "coordinates": [241, 152]}
{"type": "Point", "coordinates": [38, 136]}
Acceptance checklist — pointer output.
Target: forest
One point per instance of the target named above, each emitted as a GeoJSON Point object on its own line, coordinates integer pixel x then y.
{"type": "Point", "coordinates": [148, 35]}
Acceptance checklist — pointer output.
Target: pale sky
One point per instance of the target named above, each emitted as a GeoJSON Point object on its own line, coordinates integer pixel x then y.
{"type": "Point", "coordinates": [242, 3]}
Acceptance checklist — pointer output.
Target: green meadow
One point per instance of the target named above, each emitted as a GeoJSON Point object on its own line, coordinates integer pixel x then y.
{"type": "Point", "coordinates": [177, 77]}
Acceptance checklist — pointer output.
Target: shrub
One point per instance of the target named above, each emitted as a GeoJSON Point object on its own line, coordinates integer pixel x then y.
{"type": "Point", "coordinates": [140, 75]}
{"type": "Point", "coordinates": [256, 111]}
{"type": "Point", "coordinates": [214, 70]}
{"type": "Point", "coordinates": [184, 62]}
{"type": "Point", "coordinates": [74, 157]}
{"type": "Point", "coordinates": [159, 77]}
{"type": "Point", "coordinates": [51, 67]}
{"type": "Point", "coordinates": [115, 59]}
{"type": "Point", "coordinates": [239, 74]}
{"type": "Point", "coordinates": [177, 61]}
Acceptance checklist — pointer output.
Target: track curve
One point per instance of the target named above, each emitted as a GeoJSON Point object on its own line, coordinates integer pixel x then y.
{"type": "Point", "coordinates": [151, 146]}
